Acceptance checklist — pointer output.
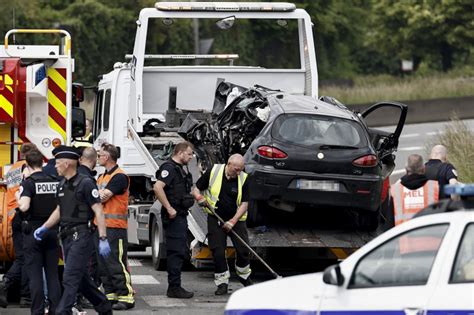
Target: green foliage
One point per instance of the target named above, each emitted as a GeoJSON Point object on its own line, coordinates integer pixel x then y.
{"type": "Point", "coordinates": [352, 37]}
{"type": "Point", "coordinates": [436, 31]}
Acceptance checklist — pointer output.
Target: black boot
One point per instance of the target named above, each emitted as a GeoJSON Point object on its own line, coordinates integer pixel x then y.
{"type": "Point", "coordinates": [3, 294]}
{"type": "Point", "coordinates": [179, 293]}
{"type": "Point", "coordinates": [245, 282]}
{"type": "Point", "coordinates": [222, 289]}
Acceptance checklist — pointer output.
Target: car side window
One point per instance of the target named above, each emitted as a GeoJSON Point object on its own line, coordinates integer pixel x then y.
{"type": "Point", "coordinates": [406, 259]}
{"type": "Point", "coordinates": [463, 270]}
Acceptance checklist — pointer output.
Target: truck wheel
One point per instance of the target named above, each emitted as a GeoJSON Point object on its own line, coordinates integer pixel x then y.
{"type": "Point", "coordinates": [157, 247]}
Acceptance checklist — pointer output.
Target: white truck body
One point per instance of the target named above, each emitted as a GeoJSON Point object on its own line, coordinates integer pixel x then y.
{"type": "Point", "coordinates": [134, 93]}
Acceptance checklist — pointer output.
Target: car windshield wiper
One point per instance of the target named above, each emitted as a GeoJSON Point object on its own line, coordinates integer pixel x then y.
{"type": "Point", "coordinates": [335, 146]}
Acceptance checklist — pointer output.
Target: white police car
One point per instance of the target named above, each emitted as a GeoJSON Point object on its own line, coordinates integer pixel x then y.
{"type": "Point", "coordinates": [422, 267]}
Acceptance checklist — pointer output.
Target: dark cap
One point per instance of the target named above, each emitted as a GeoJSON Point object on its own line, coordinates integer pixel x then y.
{"type": "Point", "coordinates": [65, 152]}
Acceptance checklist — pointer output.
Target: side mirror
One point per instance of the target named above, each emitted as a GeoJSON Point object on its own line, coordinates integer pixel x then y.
{"type": "Point", "coordinates": [77, 94]}
{"type": "Point", "coordinates": [332, 275]}
{"type": "Point", "coordinates": [78, 122]}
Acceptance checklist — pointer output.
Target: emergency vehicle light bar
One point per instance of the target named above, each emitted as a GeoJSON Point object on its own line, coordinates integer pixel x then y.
{"type": "Point", "coordinates": [226, 6]}
{"type": "Point", "coordinates": [464, 190]}
{"type": "Point", "coordinates": [67, 44]}
{"type": "Point", "coordinates": [182, 57]}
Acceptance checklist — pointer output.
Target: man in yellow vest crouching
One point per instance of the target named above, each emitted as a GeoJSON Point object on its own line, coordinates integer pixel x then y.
{"type": "Point", "coordinates": [413, 191]}
{"type": "Point", "coordinates": [225, 191]}
{"type": "Point", "coordinates": [113, 190]}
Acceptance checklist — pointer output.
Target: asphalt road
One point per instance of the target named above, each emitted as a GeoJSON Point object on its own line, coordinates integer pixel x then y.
{"type": "Point", "coordinates": [150, 285]}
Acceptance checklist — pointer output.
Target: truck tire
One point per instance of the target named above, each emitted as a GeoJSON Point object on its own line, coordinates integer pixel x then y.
{"type": "Point", "coordinates": [157, 247]}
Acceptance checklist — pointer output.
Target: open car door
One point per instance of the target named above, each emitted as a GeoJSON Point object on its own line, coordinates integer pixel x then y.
{"type": "Point", "coordinates": [385, 142]}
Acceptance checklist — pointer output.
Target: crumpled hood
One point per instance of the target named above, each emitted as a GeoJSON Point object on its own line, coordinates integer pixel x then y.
{"type": "Point", "coordinates": [278, 294]}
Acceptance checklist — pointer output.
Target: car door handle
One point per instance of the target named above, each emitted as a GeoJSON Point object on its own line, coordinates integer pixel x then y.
{"type": "Point", "coordinates": [413, 311]}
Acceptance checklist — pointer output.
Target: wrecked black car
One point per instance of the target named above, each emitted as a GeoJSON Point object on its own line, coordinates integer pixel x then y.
{"type": "Point", "coordinates": [301, 152]}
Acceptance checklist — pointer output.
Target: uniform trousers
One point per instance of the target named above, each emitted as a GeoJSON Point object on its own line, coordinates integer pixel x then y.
{"type": "Point", "coordinates": [39, 255]}
{"type": "Point", "coordinates": [176, 235]}
{"type": "Point", "coordinates": [113, 270]}
{"type": "Point", "coordinates": [218, 243]}
{"type": "Point", "coordinates": [17, 272]}
{"type": "Point", "coordinates": [77, 249]}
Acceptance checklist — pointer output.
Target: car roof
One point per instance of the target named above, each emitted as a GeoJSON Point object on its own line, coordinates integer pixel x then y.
{"type": "Point", "coordinates": [303, 104]}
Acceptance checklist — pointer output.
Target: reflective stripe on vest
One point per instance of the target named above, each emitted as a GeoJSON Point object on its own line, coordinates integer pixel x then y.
{"type": "Point", "coordinates": [13, 178]}
{"type": "Point", "coordinates": [215, 183]}
{"type": "Point", "coordinates": [406, 202]}
{"type": "Point", "coordinates": [116, 208]}
{"type": "Point", "coordinates": [83, 141]}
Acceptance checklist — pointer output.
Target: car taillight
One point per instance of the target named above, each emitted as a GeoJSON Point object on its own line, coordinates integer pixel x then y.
{"type": "Point", "coordinates": [365, 161]}
{"type": "Point", "coordinates": [271, 152]}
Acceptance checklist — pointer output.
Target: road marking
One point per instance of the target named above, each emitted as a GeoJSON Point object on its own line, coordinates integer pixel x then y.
{"type": "Point", "coordinates": [410, 135]}
{"type": "Point", "coordinates": [162, 301]}
{"type": "Point", "coordinates": [433, 133]}
{"type": "Point", "coordinates": [411, 149]}
{"type": "Point", "coordinates": [144, 279]}
{"type": "Point", "coordinates": [397, 172]}
{"type": "Point", "coordinates": [134, 262]}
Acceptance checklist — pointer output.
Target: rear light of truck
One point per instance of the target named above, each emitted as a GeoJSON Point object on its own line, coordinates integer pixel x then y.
{"type": "Point", "coordinates": [271, 152]}
{"type": "Point", "coordinates": [369, 160]}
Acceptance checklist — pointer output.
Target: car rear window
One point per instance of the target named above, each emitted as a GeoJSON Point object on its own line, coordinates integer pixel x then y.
{"type": "Point", "coordinates": [310, 130]}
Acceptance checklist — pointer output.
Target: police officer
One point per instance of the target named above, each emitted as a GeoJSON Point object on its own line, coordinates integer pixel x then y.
{"type": "Point", "coordinates": [173, 189]}
{"type": "Point", "coordinates": [438, 168]}
{"type": "Point", "coordinates": [226, 193]}
{"type": "Point", "coordinates": [37, 199]}
{"type": "Point", "coordinates": [87, 162]}
{"type": "Point", "coordinates": [78, 201]}
{"type": "Point", "coordinates": [17, 272]}
{"type": "Point", "coordinates": [113, 191]}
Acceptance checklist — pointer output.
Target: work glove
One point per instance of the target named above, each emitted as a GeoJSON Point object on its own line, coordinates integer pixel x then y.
{"type": "Point", "coordinates": [104, 248]}
{"type": "Point", "coordinates": [202, 202]}
{"type": "Point", "coordinates": [39, 232]}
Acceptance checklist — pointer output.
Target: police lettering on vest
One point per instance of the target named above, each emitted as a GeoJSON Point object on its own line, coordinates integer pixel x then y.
{"type": "Point", "coordinates": [42, 191]}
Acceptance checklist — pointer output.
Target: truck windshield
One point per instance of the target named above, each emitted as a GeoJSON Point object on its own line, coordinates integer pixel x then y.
{"type": "Point", "coordinates": [265, 43]}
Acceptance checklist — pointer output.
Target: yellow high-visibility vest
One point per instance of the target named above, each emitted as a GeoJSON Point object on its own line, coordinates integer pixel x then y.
{"type": "Point", "coordinates": [215, 183]}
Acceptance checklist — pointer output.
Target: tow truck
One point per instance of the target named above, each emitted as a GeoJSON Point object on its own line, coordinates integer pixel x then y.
{"type": "Point", "coordinates": [143, 101]}
{"type": "Point", "coordinates": [38, 103]}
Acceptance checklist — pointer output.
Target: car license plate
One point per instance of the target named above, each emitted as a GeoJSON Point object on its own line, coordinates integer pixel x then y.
{"type": "Point", "coordinates": [317, 185]}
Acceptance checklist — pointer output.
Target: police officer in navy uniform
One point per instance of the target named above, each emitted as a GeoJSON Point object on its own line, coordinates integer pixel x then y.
{"type": "Point", "coordinates": [37, 200]}
{"type": "Point", "coordinates": [173, 189]}
{"type": "Point", "coordinates": [78, 201]}
{"type": "Point", "coordinates": [438, 168]}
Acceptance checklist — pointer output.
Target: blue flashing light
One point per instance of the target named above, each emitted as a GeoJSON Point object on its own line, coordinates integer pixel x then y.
{"type": "Point", "coordinates": [459, 189]}
{"type": "Point", "coordinates": [40, 75]}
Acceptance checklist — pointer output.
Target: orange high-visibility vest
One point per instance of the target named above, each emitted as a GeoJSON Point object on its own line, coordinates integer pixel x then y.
{"type": "Point", "coordinates": [14, 177]}
{"type": "Point", "coordinates": [116, 208]}
{"type": "Point", "coordinates": [406, 202]}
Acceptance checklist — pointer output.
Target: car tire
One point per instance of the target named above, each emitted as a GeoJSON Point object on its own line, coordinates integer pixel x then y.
{"type": "Point", "coordinates": [157, 247]}
{"type": "Point", "coordinates": [254, 214]}
{"type": "Point", "coordinates": [369, 220]}
{"type": "Point", "coordinates": [387, 215]}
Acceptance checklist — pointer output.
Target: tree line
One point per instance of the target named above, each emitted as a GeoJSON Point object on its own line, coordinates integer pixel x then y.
{"type": "Point", "coordinates": [352, 37]}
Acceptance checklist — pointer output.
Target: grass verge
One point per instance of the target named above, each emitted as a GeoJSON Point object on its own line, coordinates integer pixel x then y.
{"type": "Point", "coordinates": [459, 140]}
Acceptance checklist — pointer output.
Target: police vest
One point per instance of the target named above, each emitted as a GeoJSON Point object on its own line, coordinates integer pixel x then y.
{"type": "Point", "coordinates": [72, 209]}
{"type": "Point", "coordinates": [215, 183]}
{"type": "Point", "coordinates": [178, 192]}
{"type": "Point", "coordinates": [116, 208]}
{"type": "Point", "coordinates": [44, 201]}
{"type": "Point", "coordinates": [83, 141]}
{"type": "Point", "coordinates": [406, 202]}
